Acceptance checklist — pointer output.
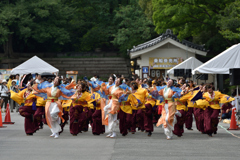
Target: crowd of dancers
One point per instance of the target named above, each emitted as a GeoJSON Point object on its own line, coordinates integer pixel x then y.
{"type": "Point", "coordinates": [130, 105]}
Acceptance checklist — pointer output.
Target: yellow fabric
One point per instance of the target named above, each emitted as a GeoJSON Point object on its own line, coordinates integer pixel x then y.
{"type": "Point", "coordinates": [140, 95]}
{"type": "Point", "coordinates": [9, 84]}
{"type": "Point", "coordinates": [94, 97]}
{"type": "Point", "coordinates": [86, 96]}
{"type": "Point", "coordinates": [190, 95]}
{"type": "Point", "coordinates": [158, 103]}
{"type": "Point", "coordinates": [182, 106]}
{"type": "Point", "coordinates": [186, 97]}
{"type": "Point", "coordinates": [226, 99]}
{"type": "Point", "coordinates": [66, 104]}
{"type": "Point", "coordinates": [16, 97]}
{"type": "Point", "coordinates": [40, 101]}
{"type": "Point", "coordinates": [150, 100]}
{"type": "Point", "coordinates": [19, 97]}
{"type": "Point", "coordinates": [203, 104]}
{"type": "Point", "coordinates": [128, 108]}
{"type": "Point", "coordinates": [217, 97]}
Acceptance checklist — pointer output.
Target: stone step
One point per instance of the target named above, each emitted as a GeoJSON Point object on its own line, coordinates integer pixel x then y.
{"type": "Point", "coordinates": [94, 62]}
{"type": "Point", "coordinates": [93, 69]}
{"type": "Point", "coordinates": [90, 66]}
{"type": "Point", "coordinates": [85, 59]}
{"type": "Point", "coordinates": [102, 72]}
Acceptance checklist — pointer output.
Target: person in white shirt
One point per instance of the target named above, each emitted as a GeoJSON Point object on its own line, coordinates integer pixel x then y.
{"type": "Point", "coordinates": [4, 94]}
{"type": "Point", "coordinates": [237, 100]}
{"type": "Point", "coordinates": [38, 78]}
{"type": "Point", "coordinates": [14, 88]}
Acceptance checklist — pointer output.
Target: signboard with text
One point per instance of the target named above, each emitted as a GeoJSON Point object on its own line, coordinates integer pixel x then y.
{"type": "Point", "coordinates": [145, 71]}
{"type": "Point", "coordinates": [164, 62]}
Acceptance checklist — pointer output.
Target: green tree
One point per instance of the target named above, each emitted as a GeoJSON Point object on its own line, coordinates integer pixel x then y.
{"type": "Point", "coordinates": [229, 22]}
{"type": "Point", "coordinates": [192, 19]}
{"type": "Point", "coordinates": [146, 6]}
{"type": "Point", "coordinates": [41, 20]}
{"type": "Point", "coordinates": [133, 27]}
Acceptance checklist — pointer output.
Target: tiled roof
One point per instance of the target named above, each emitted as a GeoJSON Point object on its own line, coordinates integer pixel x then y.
{"type": "Point", "coordinates": [164, 36]}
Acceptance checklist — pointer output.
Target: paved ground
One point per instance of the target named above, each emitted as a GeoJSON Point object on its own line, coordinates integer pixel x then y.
{"type": "Point", "coordinates": [15, 145]}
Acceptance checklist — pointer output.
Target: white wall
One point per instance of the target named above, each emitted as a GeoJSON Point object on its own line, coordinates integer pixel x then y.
{"type": "Point", "coordinates": [167, 50]}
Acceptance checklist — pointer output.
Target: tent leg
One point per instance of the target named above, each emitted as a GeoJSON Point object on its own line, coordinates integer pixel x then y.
{"type": "Point", "coordinates": [215, 82]}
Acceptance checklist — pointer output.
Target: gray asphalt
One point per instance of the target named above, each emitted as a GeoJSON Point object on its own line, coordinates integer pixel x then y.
{"type": "Point", "coordinates": [15, 145]}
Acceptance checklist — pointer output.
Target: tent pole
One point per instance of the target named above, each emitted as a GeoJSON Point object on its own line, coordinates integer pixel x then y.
{"type": "Point", "coordinates": [215, 83]}
{"type": "Point", "coordinates": [237, 104]}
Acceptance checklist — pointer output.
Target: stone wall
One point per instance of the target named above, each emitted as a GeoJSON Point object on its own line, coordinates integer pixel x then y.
{"type": "Point", "coordinates": [85, 66]}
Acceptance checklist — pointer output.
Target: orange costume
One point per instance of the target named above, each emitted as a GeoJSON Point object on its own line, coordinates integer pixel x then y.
{"type": "Point", "coordinates": [53, 107]}
{"type": "Point", "coordinates": [109, 112]}
{"type": "Point", "coordinates": [168, 118]}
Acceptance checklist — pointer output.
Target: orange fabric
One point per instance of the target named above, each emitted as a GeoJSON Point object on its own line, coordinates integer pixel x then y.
{"type": "Point", "coordinates": [58, 94]}
{"type": "Point", "coordinates": [171, 110]}
{"type": "Point", "coordinates": [115, 96]}
{"type": "Point", "coordinates": [104, 119]}
{"type": "Point", "coordinates": [71, 85]}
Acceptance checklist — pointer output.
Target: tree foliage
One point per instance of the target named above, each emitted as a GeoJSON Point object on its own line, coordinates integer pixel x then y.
{"type": "Point", "coordinates": [38, 20]}
{"type": "Point", "coordinates": [229, 21]}
{"type": "Point", "coordinates": [194, 19]}
{"type": "Point", "coordinates": [114, 25]}
{"type": "Point", "coordinates": [133, 27]}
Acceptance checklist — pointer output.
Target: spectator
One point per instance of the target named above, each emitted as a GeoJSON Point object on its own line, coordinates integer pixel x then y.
{"type": "Point", "coordinates": [17, 78]}
{"type": "Point", "coordinates": [13, 88]}
{"type": "Point", "coordinates": [226, 111]}
{"type": "Point", "coordinates": [38, 78]}
{"type": "Point", "coordinates": [234, 103]}
{"type": "Point", "coordinates": [4, 94]}
{"type": "Point", "coordinates": [148, 78]}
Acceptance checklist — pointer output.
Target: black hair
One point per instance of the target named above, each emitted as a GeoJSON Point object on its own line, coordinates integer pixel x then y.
{"type": "Point", "coordinates": [134, 85]}
{"type": "Point", "coordinates": [31, 83]}
{"type": "Point", "coordinates": [210, 86]}
{"type": "Point", "coordinates": [59, 81]}
{"type": "Point", "coordinates": [121, 81]}
{"type": "Point", "coordinates": [149, 83]}
{"type": "Point", "coordinates": [84, 86]}
{"type": "Point", "coordinates": [112, 77]}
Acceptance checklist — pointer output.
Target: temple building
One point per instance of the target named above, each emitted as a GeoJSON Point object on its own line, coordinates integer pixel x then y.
{"type": "Point", "coordinates": [156, 56]}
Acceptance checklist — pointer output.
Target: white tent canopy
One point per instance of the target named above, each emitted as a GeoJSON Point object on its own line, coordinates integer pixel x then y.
{"type": "Point", "coordinates": [190, 63]}
{"type": "Point", "coordinates": [221, 64]}
{"type": "Point", "coordinates": [34, 65]}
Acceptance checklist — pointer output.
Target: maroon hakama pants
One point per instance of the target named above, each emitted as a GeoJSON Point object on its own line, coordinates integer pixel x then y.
{"type": "Point", "coordinates": [198, 114]}
{"type": "Point", "coordinates": [30, 125]}
{"type": "Point", "coordinates": [137, 120]}
{"type": "Point", "coordinates": [178, 127]}
{"type": "Point", "coordinates": [148, 125]}
{"type": "Point", "coordinates": [65, 116]}
{"type": "Point", "coordinates": [156, 116]}
{"type": "Point", "coordinates": [75, 116]}
{"type": "Point", "coordinates": [211, 120]}
{"type": "Point", "coordinates": [132, 120]}
{"type": "Point", "coordinates": [140, 119]}
{"type": "Point", "coordinates": [97, 127]}
{"type": "Point", "coordinates": [86, 116]}
{"type": "Point", "coordinates": [38, 115]}
{"type": "Point", "coordinates": [125, 121]}
{"type": "Point", "coordinates": [189, 118]}
{"type": "Point", "coordinates": [44, 116]}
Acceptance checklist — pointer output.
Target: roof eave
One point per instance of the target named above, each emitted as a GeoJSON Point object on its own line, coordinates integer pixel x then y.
{"type": "Point", "coordinates": [167, 40]}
